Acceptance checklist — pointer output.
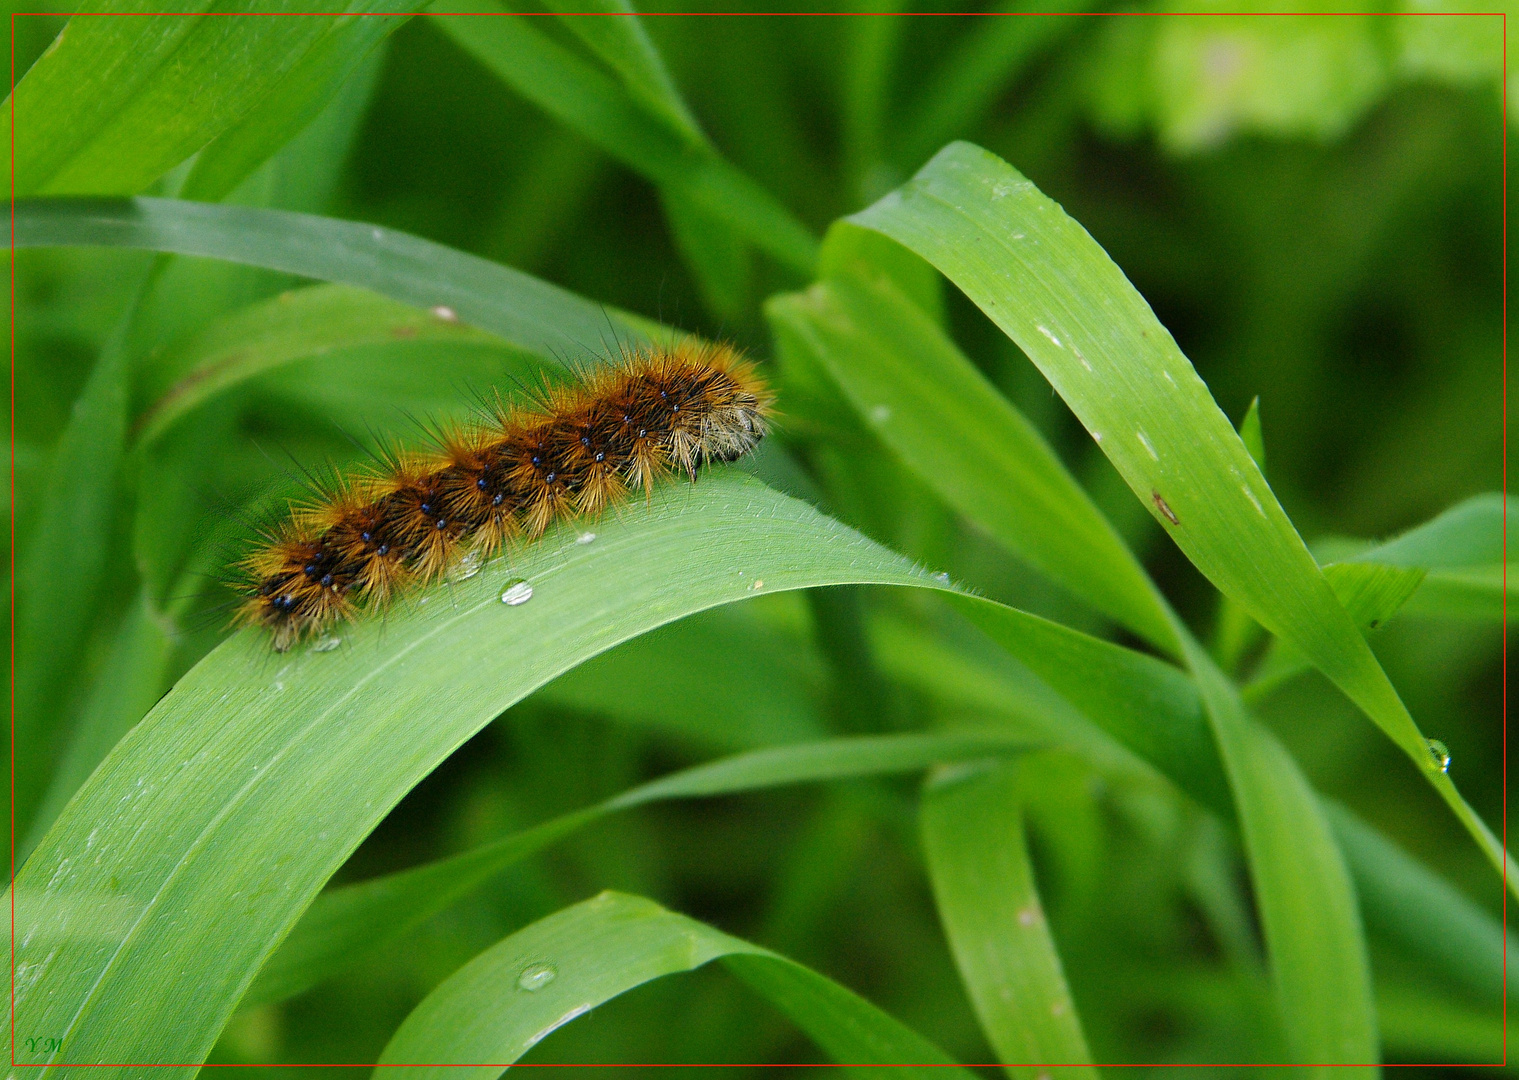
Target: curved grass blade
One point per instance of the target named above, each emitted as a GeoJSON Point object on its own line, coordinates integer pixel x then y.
{"type": "Point", "coordinates": [1047, 284]}
{"type": "Point", "coordinates": [187, 820]}
{"type": "Point", "coordinates": [926, 401]}
{"type": "Point", "coordinates": [592, 103]}
{"type": "Point", "coordinates": [294, 326]}
{"type": "Point", "coordinates": [1308, 910]}
{"type": "Point", "coordinates": [972, 825]}
{"type": "Point", "coordinates": [504, 1001]}
{"type": "Point", "coordinates": [522, 310]}
{"type": "Point", "coordinates": [347, 923]}
{"type": "Point", "coordinates": [119, 101]}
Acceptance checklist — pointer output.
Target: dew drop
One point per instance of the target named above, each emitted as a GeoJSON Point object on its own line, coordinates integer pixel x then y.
{"type": "Point", "coordinates": [446, 313]}
{"type": "Point", "coordinates": [517, 592]}
{"type": "Point", "coordinates": [1439, 756]}
{"type": "Point", "coordinates": [942, 577]}
{"type": "Point", "coordinates": [881, 413]}
{"type": "Point", "coordinates": [1145, 442]}
{"type": "Point", "coordinates": [1253, 500]}
{"type": "Point", "coordinates": [1046, 332]}
{"type": "Point", "coordinates": [467, 567]}
{"type": "Point", "coordinates": [1097, 435]}
{"type": "Point", "coordinates": [1028, 916]}
{"type": "Point", "coordinates": [326, 643]}
{"type": "Point", "coordinates": [586, 538]}
{"type": "Point", "coordinates": [758, 584]}
{"type": "Point", "coordinates": [535, 977]}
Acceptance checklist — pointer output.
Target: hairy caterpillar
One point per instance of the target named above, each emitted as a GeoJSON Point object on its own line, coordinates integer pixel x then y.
{"type": "Point", "coordinates": [571, 450]}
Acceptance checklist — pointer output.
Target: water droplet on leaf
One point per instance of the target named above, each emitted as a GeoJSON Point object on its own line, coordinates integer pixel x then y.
{"type": "Point", "coordinates": [517, 592]}
{"type": "Point", "coordinates": [326, 643]}
{"type": "Point", "coordinates": [535, 977]}
{"type": "Point", "coordinates": [1439, 756]}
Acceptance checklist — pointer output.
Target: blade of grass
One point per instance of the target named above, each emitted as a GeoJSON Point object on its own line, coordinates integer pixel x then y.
{"type": "Point", "coordinates": [1463, 550]}
{"type": "Point", "coordinates": [1318, 958]}
{"type": "Point", "coordinates": [1465, 944]}
{"type": "Point", "coordinates": [579, 95]}
{"type": "Point", "coordinates": [203, 816]}
{"type": "Point", "coordinates": [1047, 284]}
{"type": "Point", "coordinates": [972, 825]}
{"type": "Point", "coordinates": [118, 102]}
{"type": "Point", "coordinates": [612, 30]}
{"type": "Point", "coordinates": [348, 923]}
{"type": "Point", "coordinates": [716, 254]}
{"type": "Point", "coordinates": [927, 402]}
{"type": "Point", "coordinates": [296, 325]}
{"type": "Point", "coordinates": [522, 310]}
{"type": "Point", "coordinates": [61, 566]}
{"type": "Point", "coordinates": [311, 83]}
{"type": "Point", "coordinates": [507, 999]}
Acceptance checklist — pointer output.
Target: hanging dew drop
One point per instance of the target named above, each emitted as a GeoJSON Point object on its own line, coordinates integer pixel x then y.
{"type": "Point", "coordinates": [1439, 756]}
{"type": "Point", "coordinates": [535, 977]}
{"type": "Point", "coordinates": [517, 592]}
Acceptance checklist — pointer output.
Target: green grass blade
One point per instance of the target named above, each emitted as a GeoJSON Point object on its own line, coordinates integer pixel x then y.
{"type": "Point", "coordinates": [1449, 934]}
{"type": "Point", "coordinates": [188, 819]}
{"type": "Point", "coordinates": [296, 325]}
{"type": "Point", "coordinates": [522, 310]}
{"type": "Point", "coordinates": [118, 102]}
{"type": "Point", "coordinates": [314, 80]}
{"type": "Point", "coordinates": [579, 95]}
{"type": "Point", "coordinates": [507, 999]}
{"type": "Point", "coordinates": [611, 29]}
{"type": "Point", "coordinates": [1047, 284]}
{"type": "Point", "coordinates": [61, 566]}
{"type": "Point", "coordinates": [1319, 968]}
{"type": "Point", "coordinates": [726, 680]}
{"type": "Point", "coordinates": [1463, 550]}
{"type": "Point", "coordinates": [347, 923]}
{"type": "Point", "coordinates": [972, 825]}
{"type": "Point", "coordinates": [924, 399]}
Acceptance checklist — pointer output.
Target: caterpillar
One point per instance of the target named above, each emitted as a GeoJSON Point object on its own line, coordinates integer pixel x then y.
{"type": "Point", "coordinates": [362, 538]}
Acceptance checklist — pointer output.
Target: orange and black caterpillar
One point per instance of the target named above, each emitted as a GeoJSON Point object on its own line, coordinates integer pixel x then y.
{"type": "Point", "coordinates": [573, 450]}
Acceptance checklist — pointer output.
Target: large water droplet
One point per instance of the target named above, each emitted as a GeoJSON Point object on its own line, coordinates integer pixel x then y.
{"type": "Point", "coordinates": [586, 538]}
{"type": "Point", "coordinates": [517, 592]}
{"type": "Point", "coordinates": [326, 643]}
{"type": "Point", "coordinates": [1439, 756]}
{"type": "Point", "coordinates": [535, 977]}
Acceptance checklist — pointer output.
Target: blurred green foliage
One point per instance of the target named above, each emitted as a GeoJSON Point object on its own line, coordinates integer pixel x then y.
{"type": "Point", "coordinates": [1314, 207]}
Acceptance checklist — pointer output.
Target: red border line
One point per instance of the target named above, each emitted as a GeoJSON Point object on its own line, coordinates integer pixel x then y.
{"type": "Point", "coordinates": [789, 1065]}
